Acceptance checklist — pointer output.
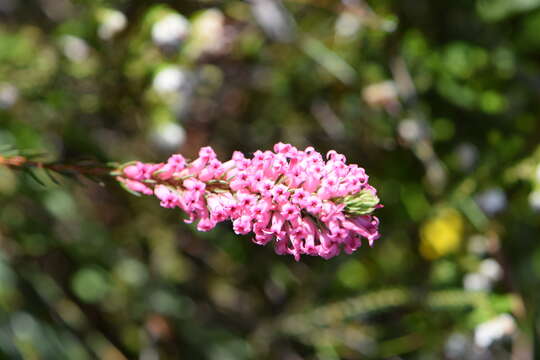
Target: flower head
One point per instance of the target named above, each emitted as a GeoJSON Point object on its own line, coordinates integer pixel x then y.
{"type": "Point", "coordinates": [306, 205]}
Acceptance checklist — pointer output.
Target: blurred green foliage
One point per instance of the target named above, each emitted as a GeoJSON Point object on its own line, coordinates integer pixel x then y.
{"type": "Point", "coordinates": [437, 100]}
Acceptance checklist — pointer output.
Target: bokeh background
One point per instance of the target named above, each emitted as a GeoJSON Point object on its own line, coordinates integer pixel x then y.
{"type": "Point", "coordinates": [437, 100]}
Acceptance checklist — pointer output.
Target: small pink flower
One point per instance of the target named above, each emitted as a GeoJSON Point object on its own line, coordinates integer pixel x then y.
{"type": "Point", "coordinates": [314, 205]}
{"type": "Point", "coordinates": [262, 209]}
{"type": "Point", "coordinates": [282, 148]}
{"type": "Point", "coordinates": [219, 206]}
{"type": "Point", "coordinates": [212, 171]}
{"type": "Point", "coordinates": [280, 193]}
{"type": "Point", "coordinates": [175, 164]}
{"type": "Point", "coordinates": [265, 188]}
{"type": "Point", "coordinates": [300, 197]}
{"type": "Point", "coordinates": [137, 186]}
{"type": "Point", "coordinates": [168, 198]}
{"type": "Point", "coordinates": [134, 172]}
{"type": "Point", "coordinates": [240, 181]}
{"type": "Point", "coordinates": [206, 224]}
{"type": "Point", "coordinates": [277, 223]}
{"type": "Point", "coordinates": [290, 212]}
{"type": "Point", "coordinates": [194, 185]}
{"type": "Point", "coordinates": [242, 225]}
{"type": "Point", "coordinates": [207, 153]}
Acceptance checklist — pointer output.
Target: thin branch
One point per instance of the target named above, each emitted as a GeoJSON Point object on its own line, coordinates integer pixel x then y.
{"type": "Point", "coordinates": [92, 171]}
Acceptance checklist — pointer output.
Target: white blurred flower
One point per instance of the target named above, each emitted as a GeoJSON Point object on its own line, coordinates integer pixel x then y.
{"type": "Point", "coordinates": [492, 201]}
{"type": "Point", "coordinates": [534, 200]}
{"type": "Point", "coordinates": [467, 155]}
{"type": "Point", "coordinates": [412, 130]}
{"type": "Point", "coordinates": [9, 95]}
{"type": "Point", "coordinates": [478, 245]}
{"type": "Point", "coordinates": [168, 135]}
{"type": "Point", "coordinates": [457, 346]}
{"type": "Point", "coordinates": [170, 30]}
{"type": "Point", "coordinates": [347, 24]}
{"type": "Point", "coordinates": [170, 79]}
{"type": "Point", "coordinates": [476, 282]}
{"type": "Point", "coordinates": [389, 25]}
{"type": "Point", "coordinates": [75, 48]}
{"type": "Point", "coordinates": [208, 32]}
{"type": "Point", "coordinates": [490, 269]}
{"type": "Point", "coordinates": [495, 329]}
{"type": "Point", "coordinates": [273, 18]}
{"type": "Point", "coordinates": [24, 326]}
{"type": "Point", "coordinates": [112, 22]}
{"type": "Point", "coordinates": [380, 94]}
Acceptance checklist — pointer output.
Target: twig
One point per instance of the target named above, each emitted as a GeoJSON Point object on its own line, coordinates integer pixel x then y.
{"type": "Point", "coordinates": [89, 170]}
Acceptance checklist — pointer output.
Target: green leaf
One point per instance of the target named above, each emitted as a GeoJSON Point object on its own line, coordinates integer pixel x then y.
{"type": "Point", "coordinates": [33, 176]}
{"type": "Point", "coordinates": [53, 179]}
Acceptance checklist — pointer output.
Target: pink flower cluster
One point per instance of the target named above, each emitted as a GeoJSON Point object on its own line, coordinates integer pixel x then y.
{"type": "Point", "coordinates": [306, 205]}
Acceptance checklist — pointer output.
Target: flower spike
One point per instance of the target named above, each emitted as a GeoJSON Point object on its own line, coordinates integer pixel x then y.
{"type": "Point", "coordinates": [306, 205]}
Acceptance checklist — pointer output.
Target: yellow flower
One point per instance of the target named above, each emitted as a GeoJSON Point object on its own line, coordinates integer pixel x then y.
{"type": "Point", "coordinates": [441, 235]}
